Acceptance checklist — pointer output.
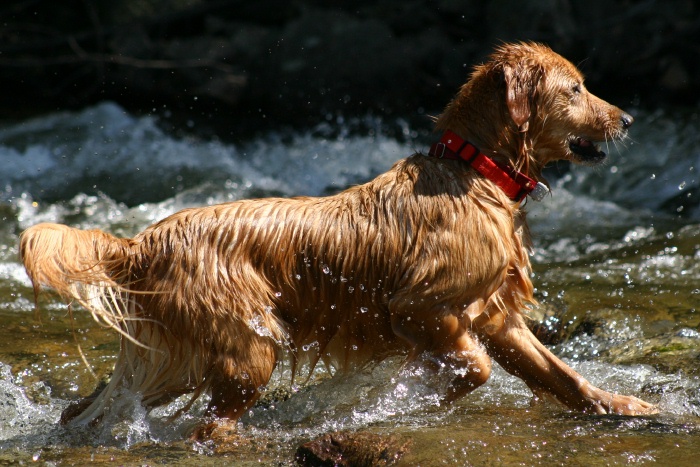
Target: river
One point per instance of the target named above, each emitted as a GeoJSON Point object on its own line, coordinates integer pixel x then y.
{"type": "Point", "coordinates": [617, 269]}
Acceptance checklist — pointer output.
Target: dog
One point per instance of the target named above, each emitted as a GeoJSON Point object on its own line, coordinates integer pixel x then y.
{"type": "Point", "coordinates": [429, 259]}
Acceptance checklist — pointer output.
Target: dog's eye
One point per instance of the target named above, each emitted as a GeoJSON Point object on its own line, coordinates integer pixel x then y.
{"type": "Point", "coordinates": [577, 88]}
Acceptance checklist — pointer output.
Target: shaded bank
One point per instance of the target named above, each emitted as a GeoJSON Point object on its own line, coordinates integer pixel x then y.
{"type": "Point", "coordinates": [294, 61]}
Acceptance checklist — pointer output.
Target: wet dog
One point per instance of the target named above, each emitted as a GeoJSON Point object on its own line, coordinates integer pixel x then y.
{"type": "Point", "coordinates": [429, 259]}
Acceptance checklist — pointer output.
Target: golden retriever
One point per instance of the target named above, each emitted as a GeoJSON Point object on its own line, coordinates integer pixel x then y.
{"type": "Point", "coordinates": [429, 259]}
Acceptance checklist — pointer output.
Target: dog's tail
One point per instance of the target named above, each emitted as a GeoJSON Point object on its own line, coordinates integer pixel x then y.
{"type": "Point", "coordinates": [88, 266]}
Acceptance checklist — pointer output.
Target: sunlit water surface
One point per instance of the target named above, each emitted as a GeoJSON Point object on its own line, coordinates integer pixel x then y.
{"type": "Point", "coordinates": [617, 269]}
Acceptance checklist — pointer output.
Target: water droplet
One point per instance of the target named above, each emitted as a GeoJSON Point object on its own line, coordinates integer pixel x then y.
{"type": "Point", "coordinates": [351, 289]}
{"type": "Point", "coordinates": [310, 345]}
{"type": "Point", "coordinates": [326, 269]}
{"type": "Point", "coordinates": [364, 309]}
{"type": "Point", "coordinates": [256, 324]}
{"type": "Point", "coordinates": [681, 186]}
{"type": "Point", "coordinates": [298, 277]}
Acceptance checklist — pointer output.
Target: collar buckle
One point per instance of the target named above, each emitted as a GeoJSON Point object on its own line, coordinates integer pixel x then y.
{"type": "Point", "coordinates": [439, 150]}
{"type": "Point", "coordinates": [539, 192]}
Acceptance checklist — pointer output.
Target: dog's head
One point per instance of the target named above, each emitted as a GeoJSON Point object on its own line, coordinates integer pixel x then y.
{"type": "Point", "coordinates": [529, 104]}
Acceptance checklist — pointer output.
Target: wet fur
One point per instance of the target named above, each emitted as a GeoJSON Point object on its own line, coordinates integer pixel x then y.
{"type": "Point", "coordinates": [428, 259]}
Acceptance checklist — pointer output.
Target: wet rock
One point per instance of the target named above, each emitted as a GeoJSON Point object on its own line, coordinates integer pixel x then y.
{"type": "Point", "coordinates": [670, 352]}
{"type": "Point", "coordinates": [352, 449]}
{"type": "Point", "coordinates": [545, 322]}
{"type": "Point", "coordinates": [272, 397]}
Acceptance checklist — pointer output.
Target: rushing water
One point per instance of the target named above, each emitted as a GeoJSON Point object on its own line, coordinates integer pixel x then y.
{"type": "Point", "coordinates": [617, 268]}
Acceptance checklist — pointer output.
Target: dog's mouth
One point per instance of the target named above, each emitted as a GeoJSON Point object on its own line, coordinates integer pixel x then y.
{"type": "Point", "coordinates": [585, 150]}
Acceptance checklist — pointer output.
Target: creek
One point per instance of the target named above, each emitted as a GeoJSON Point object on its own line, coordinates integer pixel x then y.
{"type": "Point", "coordinates": [616, 268]}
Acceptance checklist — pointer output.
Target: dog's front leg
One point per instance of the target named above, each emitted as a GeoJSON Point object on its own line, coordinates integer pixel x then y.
{"type": "Point", "coordinates": [520, 353]}
{"type": "Point", "coordinates": [439, 339]}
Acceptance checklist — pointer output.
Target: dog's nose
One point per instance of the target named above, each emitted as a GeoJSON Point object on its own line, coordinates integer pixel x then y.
{"type": "Point", "coordinates": [627, 120]}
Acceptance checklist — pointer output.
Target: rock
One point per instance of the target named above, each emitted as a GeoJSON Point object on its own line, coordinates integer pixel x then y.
{"type": "Point", "coordinates": [352, 449]}
{"type": "Point", "coordinates": [545, 323]}
{"type": "Point", "coordinates": [673, 351]}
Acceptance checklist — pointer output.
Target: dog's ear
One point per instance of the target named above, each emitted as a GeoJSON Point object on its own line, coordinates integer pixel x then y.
{"type": "Point", "coordinates": [522, 81]}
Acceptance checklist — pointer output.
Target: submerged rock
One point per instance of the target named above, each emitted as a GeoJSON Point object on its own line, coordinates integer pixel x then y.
{"type": "Point", "coordinates": [352, 449]}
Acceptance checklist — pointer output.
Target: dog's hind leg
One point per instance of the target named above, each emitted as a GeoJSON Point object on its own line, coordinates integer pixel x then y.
{"type": "Point", "coordinates": [236, 380]}
{"type": "Point", "coordinates": [238, 376]}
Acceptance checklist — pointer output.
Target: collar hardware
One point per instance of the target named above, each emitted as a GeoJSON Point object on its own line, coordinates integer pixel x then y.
{"type": "Point", "coordinates": [516, 185]}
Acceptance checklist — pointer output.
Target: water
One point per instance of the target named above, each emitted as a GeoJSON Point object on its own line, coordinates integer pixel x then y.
{"type": "Point", "coordinates": [616, 268]}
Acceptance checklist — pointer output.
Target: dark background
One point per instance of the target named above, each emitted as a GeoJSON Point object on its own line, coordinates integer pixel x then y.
{"type": "Point", "coordinates": [258, 63]}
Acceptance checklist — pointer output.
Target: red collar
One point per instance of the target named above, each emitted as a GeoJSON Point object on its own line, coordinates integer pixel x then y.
{"type": "Point", "coordinates": [516, 185]}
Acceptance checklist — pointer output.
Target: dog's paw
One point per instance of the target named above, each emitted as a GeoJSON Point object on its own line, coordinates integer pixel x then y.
{"type": "Point", "coordinates": [628, 405]}
{"type": "Point", "coordinates": [202, 432]}
{"type": "Point", "coordinates": [76, 409]}
{"type": "Point", "coordinates": [221, 430]}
